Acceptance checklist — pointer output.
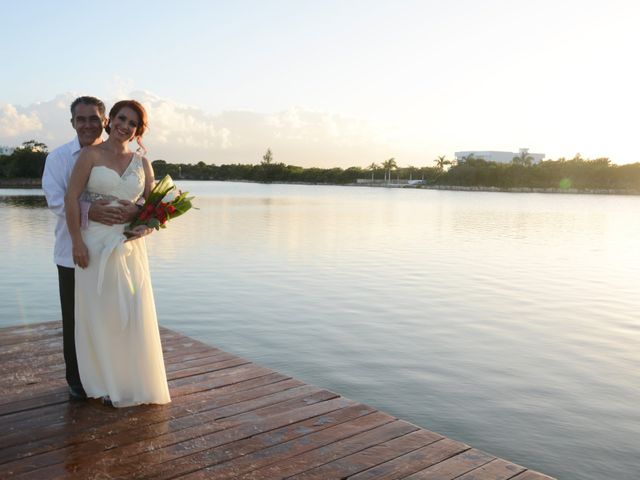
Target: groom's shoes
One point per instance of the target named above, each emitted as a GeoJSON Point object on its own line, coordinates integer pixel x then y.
{"type": "Point", "coordinates": [77, 393]}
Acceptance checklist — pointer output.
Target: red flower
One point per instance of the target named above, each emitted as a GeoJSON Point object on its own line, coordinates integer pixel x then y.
{"type": "Point", "coordinates": [171, 209]}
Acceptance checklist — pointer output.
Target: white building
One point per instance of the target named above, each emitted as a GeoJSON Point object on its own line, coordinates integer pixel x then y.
{"type": "Point", "coordinates": [499, 157]}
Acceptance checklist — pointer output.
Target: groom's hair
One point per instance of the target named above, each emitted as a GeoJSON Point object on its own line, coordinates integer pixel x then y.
{"type": "Point", "coordinates": [88, 101]}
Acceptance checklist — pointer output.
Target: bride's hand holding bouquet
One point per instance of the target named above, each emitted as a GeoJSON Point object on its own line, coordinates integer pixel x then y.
{"type": "Point", "coordinates": [163, 203]}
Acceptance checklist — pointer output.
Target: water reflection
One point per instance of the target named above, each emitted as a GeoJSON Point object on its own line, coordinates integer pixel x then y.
{"type": "Point", "coordinates": [507, 321]}
{"type": "Point", "coordinates": [24, 201]}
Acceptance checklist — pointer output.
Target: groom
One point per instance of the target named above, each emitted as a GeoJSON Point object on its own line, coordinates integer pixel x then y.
{"type": "Point", "coordinates": [88, 119]}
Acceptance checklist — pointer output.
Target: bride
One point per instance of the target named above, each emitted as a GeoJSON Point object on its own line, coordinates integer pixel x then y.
{"type": "Point", "coordinates": [117, 338]}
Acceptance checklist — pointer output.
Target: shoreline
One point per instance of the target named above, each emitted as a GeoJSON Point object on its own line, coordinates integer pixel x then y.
{"type": "Point", "coordinates": [21, 183]}
{"type": "Point", "coordinates": [35, 183]}
{"type": "Point", "coordinates": [575, 191]}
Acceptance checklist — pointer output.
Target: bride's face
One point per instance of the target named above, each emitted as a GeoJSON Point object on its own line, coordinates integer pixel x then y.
{"type": "Point", "coordinates": [124, 124]}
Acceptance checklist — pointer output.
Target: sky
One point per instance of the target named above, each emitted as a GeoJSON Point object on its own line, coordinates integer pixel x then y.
{"type": "Point", "coordinates": [333, 82]}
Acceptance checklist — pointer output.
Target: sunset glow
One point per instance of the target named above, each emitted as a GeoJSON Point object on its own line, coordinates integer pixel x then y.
{"type": "Point", "coordinates": [333, 83]}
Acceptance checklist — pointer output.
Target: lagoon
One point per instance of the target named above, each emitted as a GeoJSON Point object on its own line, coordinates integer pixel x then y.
{"type": "Point", "coordinates": [506, 321]}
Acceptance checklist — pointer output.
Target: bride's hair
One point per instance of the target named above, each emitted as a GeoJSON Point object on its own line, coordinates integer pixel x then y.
{"type": "Point", "coordinates": [142, 114]}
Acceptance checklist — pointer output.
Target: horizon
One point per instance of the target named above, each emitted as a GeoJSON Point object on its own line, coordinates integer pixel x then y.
{"type": "Point", "coordinates": [333, 85]}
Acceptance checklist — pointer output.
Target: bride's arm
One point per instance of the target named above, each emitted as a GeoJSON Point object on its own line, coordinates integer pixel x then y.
{"type": "Point", "coordinates": [77, 184]}
{"type": "Point", "coordinates": [149, 179]}
{"type": "Point", "coordinates": [142, 230]}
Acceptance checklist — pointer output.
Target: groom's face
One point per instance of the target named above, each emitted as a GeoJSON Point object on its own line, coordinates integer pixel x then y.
{"type": "Point", "coordinates": [88, 123]}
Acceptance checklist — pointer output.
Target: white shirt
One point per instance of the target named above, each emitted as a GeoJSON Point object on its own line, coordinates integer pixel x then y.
{"type": "Point", "coordinates": [55, 179]}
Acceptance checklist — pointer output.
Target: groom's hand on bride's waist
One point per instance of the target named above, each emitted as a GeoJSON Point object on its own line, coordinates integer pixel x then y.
{"type": "Point", "coordinates": [130, 210]}
{"type": "Point", "coordinates": [103, 211]}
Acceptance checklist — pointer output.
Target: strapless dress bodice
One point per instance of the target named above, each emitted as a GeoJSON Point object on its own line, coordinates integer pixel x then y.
{"type": "Point", "coordinates": [106, 184]}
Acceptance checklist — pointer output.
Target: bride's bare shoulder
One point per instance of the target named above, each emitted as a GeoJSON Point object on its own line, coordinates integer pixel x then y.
{"type": "Point", "coordinates": [91, 154]}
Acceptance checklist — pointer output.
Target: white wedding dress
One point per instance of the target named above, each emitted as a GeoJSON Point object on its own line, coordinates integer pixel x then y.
{"type": "Point", "coordinates": [117, 338]}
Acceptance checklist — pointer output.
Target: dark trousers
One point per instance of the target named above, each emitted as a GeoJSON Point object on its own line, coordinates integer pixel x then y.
{"type": "Point", "coordinates": [66, 281]}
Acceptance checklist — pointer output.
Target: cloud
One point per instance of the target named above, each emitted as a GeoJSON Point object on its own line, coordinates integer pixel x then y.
{"type": "Point", "coordinates": [183, 125]}
{"type": "Point", "coordinates": [14, 123]}
{"type": "Point", "coordinates": [186, 134]}
{"type": "Point", "coordinates": [183, 133]}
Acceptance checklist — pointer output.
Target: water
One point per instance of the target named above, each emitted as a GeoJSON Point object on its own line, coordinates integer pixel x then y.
{"type": "Point", "coordinates": [506, 321]}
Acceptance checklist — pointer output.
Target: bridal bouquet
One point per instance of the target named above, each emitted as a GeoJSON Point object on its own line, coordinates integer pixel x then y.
{"type": "Point", "coordinates": [164, 202]}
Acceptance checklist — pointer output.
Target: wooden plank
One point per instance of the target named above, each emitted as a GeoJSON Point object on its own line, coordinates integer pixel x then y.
{"type": "Point", "coordinates": [19, 333]}
{"type": "Point", "coordinates": [370, 457]}
{"type": "Point", "coordinates": [229, 418]}
{"type": "Point", "coordinates": [35, 374]}
{"type": "Point", "coordinates": [266, 438]}
{"type": "Point", "coordinates": [137, 439]}
{"type": "Point", "coordinates": [199, 383]}
{"type": "Point", "coordinates": [33, 336]}
{"type": "Point", "coordinates": [11, 329]}
{"type": "Point", "coordinates": [333, 451]}
{"type": "Point", "coordinates": [33, 384]}
{"type": "Point", "coordinates": [207, 376]}
{"type": "Point", "coordinates": [96, 422]}
{"type": "Point", "coordinates": [118, 462]}
{"type": "Point", "coordinates": [206, 368]}
{"type": "Point", "coordinates": [56, 395]}
{"type": "Point", "coordinates": [184, 349]}
{"type": "Point", "coordinates": [531, 475]}
{"type": "Point", "coordinates": [51, 367]}
{"type": "Point", "coordinates": [177, 452]}
{"type": "Point", "coordinates": [172, 345]}
{"type": "Point", "coordinates": [188, 356]}
{"type": "Point", "coordinates": [49, 420]}
{"type": "Point", "coordinates": [414, 461]}
{"type": "Point", "coordinates": [196, 362]}
{"type": "Point", "coordinates": [51, 362]}
{"type": "Point", "coordinates": [79, 433]}
{"type": "Point", "coordinates": [36, 348]}
{"type": "Point", "coordinates": [282, 452]}
{"type": "Point", "coordinates": [50, 415]}
{"type": "Point", "coordinates": [454, 467]}
{"type": "Point", "coordinates": [181, 416]}
{"type": "Point", "coordinates": [227, 376]}
{"type": "Point", "coordinates": [497, 469]}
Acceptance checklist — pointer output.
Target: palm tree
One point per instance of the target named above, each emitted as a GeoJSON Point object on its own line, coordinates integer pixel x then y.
{"type": "Point", "coordinates": [373, 168]}
{"type": "Point", "coordinates": [33, 146]}
{"type": "Point", "coordinates": [411, 169]}
{"type": "Point", "coordinates": [267, 158]}
{"type": "Point", "coordinates": [523, 159]}
{"type": "Point", "coordinates": [389, 165]}
{"type": "Point", "coordinates": [441, 161]}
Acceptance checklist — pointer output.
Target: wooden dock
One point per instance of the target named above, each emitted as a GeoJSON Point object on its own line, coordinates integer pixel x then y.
{"type": "Point", "coordinates": [229, 418]}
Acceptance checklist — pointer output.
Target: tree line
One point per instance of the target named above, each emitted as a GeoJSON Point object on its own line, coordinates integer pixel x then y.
{"type": "Point", "coordinates": [27, 162]}
{"type": "Point", "coordinates": [576, 173]}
